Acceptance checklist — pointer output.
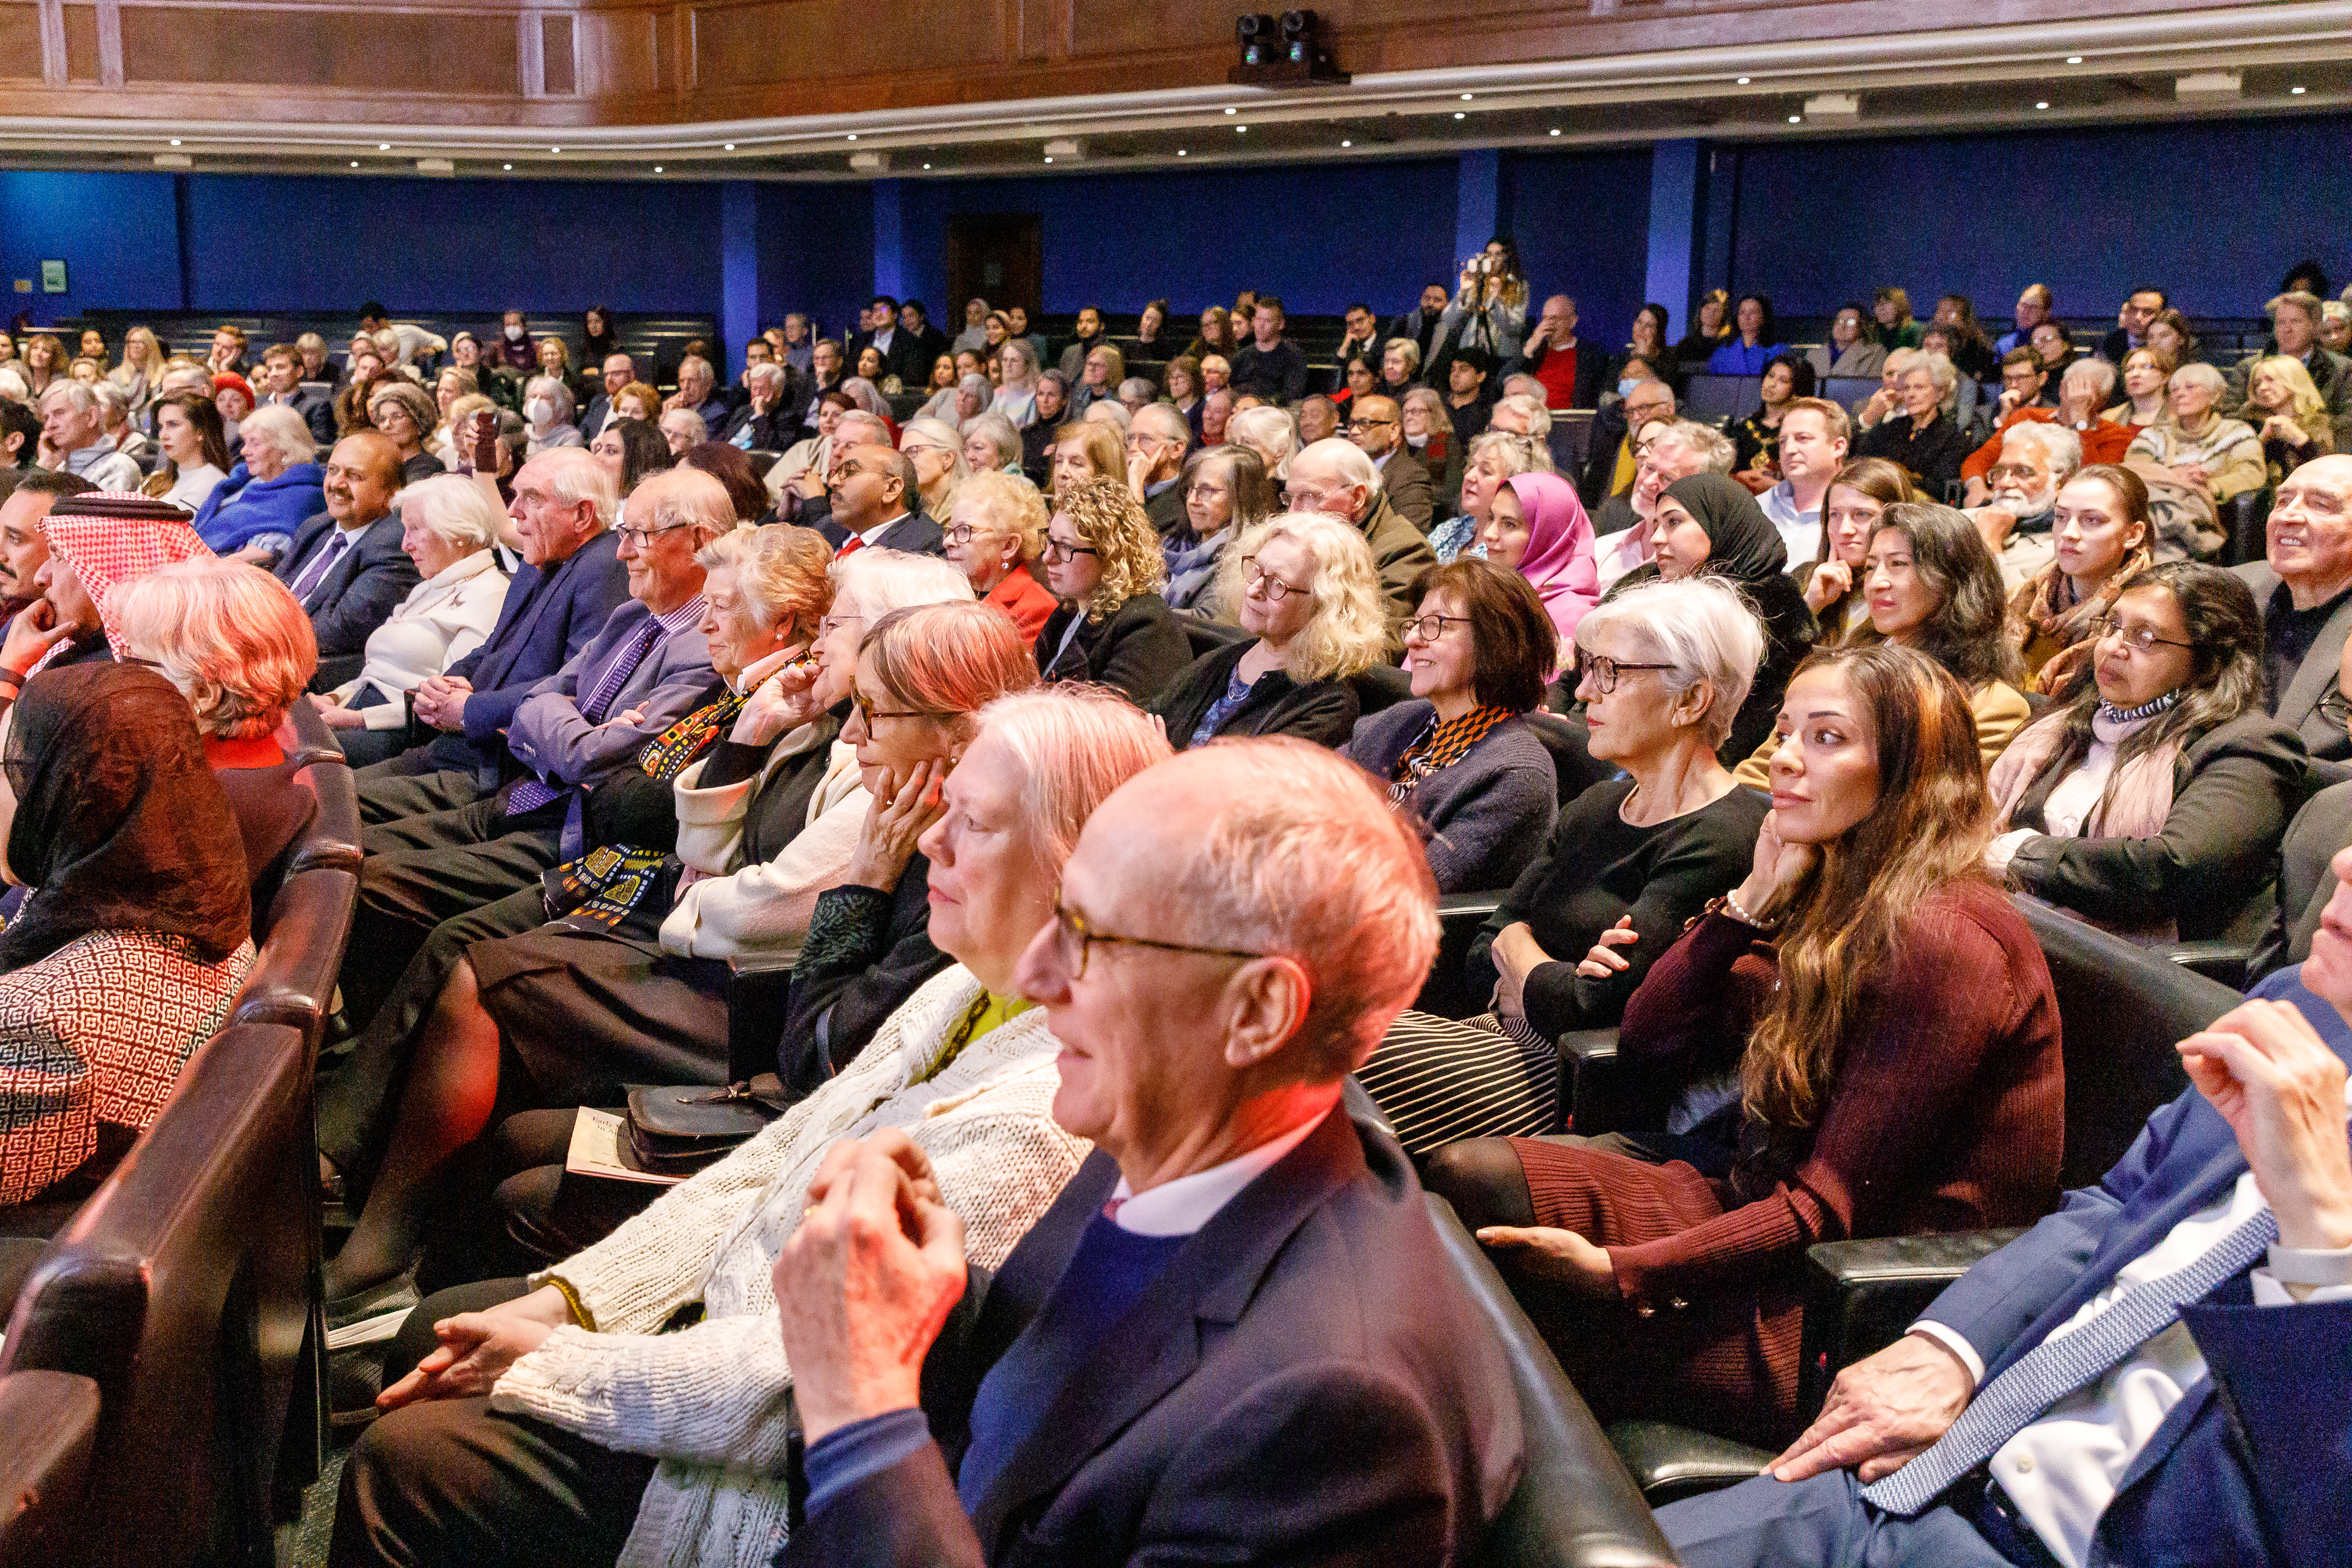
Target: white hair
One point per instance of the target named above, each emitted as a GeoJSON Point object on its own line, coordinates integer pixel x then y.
{"type": "Point", "coordinates": [1700, 626]}
{"type": "Point", "coordinates": [572, 476]}
{"type": "Point", "coordinates": [859, 417]}
{"type": "Point", "coordinates": [873, 583]}
{"type": "Point", "coordinates": [701, 428]}
{"type": "Point", "coordinates": [2096, 376]}
{"type": "Point", "coordinates": [74, 392]}
{"type": "Point", "coordinates": [285, 431]}
{"type": "Point", "coordinates": [764, 370]}
{"type": "Point", "coordinates": [1532, 410]}
{"type": "Point", "coordinates": [1270, 432]}
{"type": "Point", "coordinates": [1939, 369]}
{"type": "Point", "coordinates": [1343, 457]}
{"type": "Point", "coordinates": [1108, 411]}
{"type": "Point", "coordinates": [2059, 446]}
{"type": "Point", "coordinates": [1002, 434]}
{"type": "Point", "coordinates": [451, 509]}
{"type": "Point", "coordinates": [1074, 745]}
{"type": "Point", "coordinates": [1161, 419]}
{"type": "Point", "coordinates": [554, 391]}
{"type": "Point", "coordinates": [1714, 448]}
{"type": "Point", "coordinates": [2195, 373]}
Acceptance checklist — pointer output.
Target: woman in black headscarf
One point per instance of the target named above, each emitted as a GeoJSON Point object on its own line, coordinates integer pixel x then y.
{"type": "Point", "coordinates": [133, 938]}
{"type": "Point", "coordinates": [1707, 522]}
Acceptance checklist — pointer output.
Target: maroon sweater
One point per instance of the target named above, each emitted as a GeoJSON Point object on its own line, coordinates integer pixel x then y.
{"type": "Point", "coordinates": [1948, 1113]}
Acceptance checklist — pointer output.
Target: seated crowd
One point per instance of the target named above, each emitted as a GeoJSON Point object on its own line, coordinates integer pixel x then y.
{"type": "Point", "coordinates": [875, 880]}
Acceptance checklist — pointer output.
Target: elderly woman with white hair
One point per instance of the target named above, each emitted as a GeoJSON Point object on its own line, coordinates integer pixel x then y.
{"type": "Point", "coordinates": [548, 412]}
{"type": "Point", "coordinates": [1310, 598]}
{"type": "Point", "coordinates": [1663, 670]}
{"type": "Point", "coordinates": [1271, 433]}
{"type": "Point", "coordinates": [991, 442]}
{"type": "Point", "coordinates": [685, 1432]}
{"type": "Point", "coordinates": [1919, 434]}
{"type": "Point", "coordinates": [275, 486]}
{"type": "Point", "coordinates": [447, 527]}
{"type": "Point", "coordinates": [937, 452]}
{"type": "Point", "coordinates": [683, 428]}
{"type": "Point", "coordinates": [2220, 457]}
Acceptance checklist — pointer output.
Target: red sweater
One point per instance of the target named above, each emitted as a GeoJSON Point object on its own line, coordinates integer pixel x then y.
{"type": "Point", "coordinates": [2104, 442]}
{"type": "Point", "coordinates": [1948, 1114]}
{"type": "Point", "coordinates": [1029, 602]}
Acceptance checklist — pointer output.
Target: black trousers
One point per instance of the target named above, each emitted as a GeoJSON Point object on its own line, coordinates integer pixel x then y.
{"type": "Point", "coordinates": [409, 786]}
{"type": "Point", "coordinates": [450, 1482]}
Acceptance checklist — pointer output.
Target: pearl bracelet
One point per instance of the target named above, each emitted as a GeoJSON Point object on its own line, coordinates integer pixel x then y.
{"type": "Point", "coordinates": [1739, 911]}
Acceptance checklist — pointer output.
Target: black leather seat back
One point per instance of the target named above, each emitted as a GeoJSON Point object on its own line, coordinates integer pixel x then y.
{"type": "Point", "coordinates": [2121, 1009]}
{"type": "Point", "coordinates": [1448, 992]}
{"type": "Point", "coordinates": [333, 837]}
{"type": "Point", "coordinates": [293, 980]}
{"type": "Point", "coordinates": [1207, 637]}
{"type": "Point", "coordinates": [49, 1422]}
{"type": "Point", "coordinates": [1381, 686]}
{"type": "Point", "coordinates": [186, 1289]}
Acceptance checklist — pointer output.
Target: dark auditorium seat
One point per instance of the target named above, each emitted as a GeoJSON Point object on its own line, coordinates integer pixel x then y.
{"type": "Point", "coordinates": [1207, 635]}
{"type": "Point", "coordinates": [48, 1424]}
{"type": "Point", "coordinates": [2121, 1008]}
{"type": "Point", "coordinates": [186, 1290]}
{"type": "Point", "coordinates": [1720, 397]}
{"type": "Point", "coordinates": [293, 980]}
{"type": "Point", "coordinates": [1447, 993]}
{"type": "Point", "coordinates": [1381, 686]}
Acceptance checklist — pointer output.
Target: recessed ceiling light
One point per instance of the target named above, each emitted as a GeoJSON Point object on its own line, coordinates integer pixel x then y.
{"type": "Point", "coordinates": [508, 167]}
{"type": "Point", "coordinates": [1459, 115]}
{"type": "Point", "coordinates": [1049, 159]}
{"type": "Point", "coordinates": [175, 140]}
{"type": "Point", "coordinates": [2073, 60]}
{"type": "Point", "coordinates": [1796, 120]}
{"type": "Point", "coordinates": [1241, 130]}
{"type": "Point", "coordinates": [2042, 103]}
{"type": "Point", "coordinates": [355, 162]}
{"type": "Point", "coordinates": [555, 149]}
{"type": "Point", "coordinates": [384, 146]}
{"type": "Point", "coordinates": [1555, 131]}
{"type": "Point", "coordinates": [730, 146]}
{"type": "Point", "coordinates": [1347, 144]}
{"type": "Point", "coordinates": [1232, 112]}
{"type": "Point", "coordinates": [1743, 81]}
{"type": "Point", "coordinates": [656, 168]}
{"type": "Point", "coordinates": [1467, 97]}
{"type": "Point", "coordinates": [927, 165]}
{"type": "Point", "coordinates": [2294, 91]}
{"type": "Point", "coordinates": [1180, 152]}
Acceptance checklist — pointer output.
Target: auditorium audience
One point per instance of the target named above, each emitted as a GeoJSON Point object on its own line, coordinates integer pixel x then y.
{"type": "Point", "coordinates": [1888, 1064]}
{"type": "Point", "coordinates": [2154, 802]}
{"type": "Point", "coordinates": [1920, 436]}
{"type": "Point", "coordinates": [2035, 461]}
{"type": "Point", "coordinates": [1928, 582]}
{"type": "Point", "coordinates": [447, 527]}
{"type": "Point", "coordinates": [1645, 341]}
{"type": "Point", "coordinates": [240, 650]}
{"type": "Point", "coordinates": [1806, 456]}
{"type": "Point", "coordinates": [937, 452]}
{"type": "Point", "coordinates": [1665, 452]}
{"type": "Point", "coordinates": [547, 413]}
{"type": "Point", "coordinates": [1535, 526]}
{"type": "Point", "coordinates": [2082, 392]}
{"type": "Point", "coordinates": [1661, 668]}
{"type": "Point", "coordinates": [629, 449]}
{"type": "Point", "coordinates": [2217, 457]}
{"type": "Point", "coordinates": [993, 535]}
{"type": "Point", "coordinates": [133, 936]}
{"type": "Point", "coordinates": [2303, 587]}
{"type": "Point", "coordinates": [1755, 440]}
{"type": "Point", "coordinates": [2146, 382]}
{"type": "Point", "coordinates": [1104, 566]}
{"type": "Point", "coordinates": [1495, 458]}
{"type": "Point", "coordinates": [1309, 600]}
{"type": "Point", "coordinates": [345, 564]}
{"type": "Point", "coordinates": [1610, 459]}
{"type": "Point", "coordinates": [1852, 349]}
{"type": "Point", "coordinates": [73, 435]}
{"type": "Point", "coordinates": [97, 541]}
{"type": "Point", "coordinates": [1272, 433]}
{"type": "Point", "coordinates": [1085, 450]}
{"type": "Point", "coordinates": [2289, 416]}
{"type": "Point", "coordinates": [405, 414]}
{"type": "Point", "coordinates": [1754, 344]}
{"type": "Point", "coordinates": [1335, 478]}
{"type": "Point", "coordinates": [965, 1068]}
{"type": "Point", "coordinates": [1226, 492]}
{"type": "Point", "coordinates": [1157, 440]}
{"type": "Point", "coordinates": [2101, 536]}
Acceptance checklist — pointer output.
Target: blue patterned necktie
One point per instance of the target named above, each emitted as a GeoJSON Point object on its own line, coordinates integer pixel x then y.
{"type": "Point", "coordinates": [320, 565]}
{"type": "Point", "coordinates": [2056, 1368]}
{"type": "Point", "coordinates": [531, 794]}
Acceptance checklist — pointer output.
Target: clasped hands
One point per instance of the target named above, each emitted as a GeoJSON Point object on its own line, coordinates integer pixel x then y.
{"type": "Point", "coordinates": [864, 1284]}
{"type": "Point", "coordinates": [2268, 1074]}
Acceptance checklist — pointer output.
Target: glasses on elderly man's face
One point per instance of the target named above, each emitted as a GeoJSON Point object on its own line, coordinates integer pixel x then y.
{"type": "Point", "coordinates": [1362, 423]}
{"type": "Point", "coordinates": [641, 538]}
{"type": "Point", "coordinates": [2023, 473]}
{"type": "Point", "coordinates": [1255, 579]}
{"type": "Point", "coordinates": [1603, 672]}
{"type": "Point", "coordinates": [1074, 939]}
{"type": "Point", "coordinates": [2138, 637]}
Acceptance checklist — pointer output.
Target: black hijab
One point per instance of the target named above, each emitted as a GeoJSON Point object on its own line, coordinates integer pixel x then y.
{"type": "Point", "coordinates": [120, 823]}
{"type": "Point", "coordinates": [1742, 543]}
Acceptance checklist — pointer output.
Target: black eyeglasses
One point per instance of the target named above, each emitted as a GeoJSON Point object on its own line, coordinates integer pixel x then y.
{"type": "Point", "coordinates": [1058, 551]}
{"type": "Point", "coordinates": [1367, 423]}
{"type": "Point", "coordinates": [639, 538]}
{"type": "Point", "coordinates": [1075, 939]}
{"type": "Point", "coordinates": [2141, 638]}
{"type": "Point", "coordinates": [1432, 627]}
{"type": "Point", "coordinates": [867, 711]}
{"type": "Point", "coordinates": [1603, 672]}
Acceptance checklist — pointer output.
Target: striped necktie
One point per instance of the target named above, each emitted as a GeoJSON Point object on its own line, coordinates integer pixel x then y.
{"type": "Point", "coordinates": [532, 794]}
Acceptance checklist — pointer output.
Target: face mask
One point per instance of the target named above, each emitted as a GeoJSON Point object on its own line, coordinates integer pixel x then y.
{"type": "Point", "coordinates": [514, 334]}
{"type": "Point", "coordinates": [1626, 385]}
{"type": "Point", "coordinates": [538, 410]}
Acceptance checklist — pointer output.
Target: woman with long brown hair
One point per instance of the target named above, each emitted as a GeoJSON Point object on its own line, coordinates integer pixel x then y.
{"type": "Point", "coordinates": [1859, 1041]}
{"type": "Point", "coordinates": [1851, 509]}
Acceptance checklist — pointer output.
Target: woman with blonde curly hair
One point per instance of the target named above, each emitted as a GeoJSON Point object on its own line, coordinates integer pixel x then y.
{"type": "Point", "coordinates": [1104, 562]}
{"type": "Point", "coordinates": [1309, 597]}
{"type": "Point", "coordinates": [233, 639]}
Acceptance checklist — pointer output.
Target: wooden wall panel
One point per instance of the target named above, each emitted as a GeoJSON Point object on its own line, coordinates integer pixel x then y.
{"type": "Point", "coordinates": [799, 39]}
{"type": "Point", "coordinates": [20, 40]}
{"type": "Point", "coordinates": [82, 43]}
{"type": "Point", "coordinates": [1120, 27]}
{"type": "Point", "coordinates": [446, 51]}
{"type": "Point", "coordinates": [560, 73]}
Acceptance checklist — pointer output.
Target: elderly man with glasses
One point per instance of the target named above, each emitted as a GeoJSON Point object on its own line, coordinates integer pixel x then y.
{"type": "Point", "coordinates": [1157, 440]}
{"type": "Point", "coordinates": [1376, 425]}
{"type": "Point", "coordinates": [1235, 929]}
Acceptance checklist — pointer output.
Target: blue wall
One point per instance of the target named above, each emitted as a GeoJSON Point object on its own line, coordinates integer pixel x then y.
{"type": "Point", "coordinates": [1317, 236]}
{"type": "Point", "coordinates": [1582, 223]}
{"type": "Point", "coordinates": [117, 235]}
{"type": "Point", "coordinates": [816, 253]}
{"type": "Point", "coordinates": [2215, 212]}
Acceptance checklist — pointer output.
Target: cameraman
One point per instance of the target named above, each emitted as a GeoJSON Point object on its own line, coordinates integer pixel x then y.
{"type": "Point", "coordinates": [1490, 311]}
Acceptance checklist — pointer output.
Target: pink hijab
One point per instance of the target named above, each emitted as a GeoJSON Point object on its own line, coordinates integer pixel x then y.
{"type": "Point", "coordinates": [1559, 559]}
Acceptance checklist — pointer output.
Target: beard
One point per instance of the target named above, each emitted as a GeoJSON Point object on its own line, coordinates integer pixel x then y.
{"type": "Point", "coordinates": [2021, 502]}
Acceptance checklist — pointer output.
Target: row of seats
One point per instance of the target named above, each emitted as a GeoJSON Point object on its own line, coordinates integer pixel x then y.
{"type": "Point", "coordinates": [651, 340]}
{"type": "Point", "coordinates": [162, 1380]}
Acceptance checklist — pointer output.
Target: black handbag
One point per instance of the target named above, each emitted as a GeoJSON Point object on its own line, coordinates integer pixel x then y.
{"type": "Point", "coordinates": [675, 1130]}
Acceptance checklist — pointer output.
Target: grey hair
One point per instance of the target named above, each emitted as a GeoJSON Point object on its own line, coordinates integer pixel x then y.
{"type": "Point", "coordinates": [2060, 445]}
{"type": "Point", "coordinates": [285, 430]}
{"type": "Point", "coordinates": [1138, 387]}
{"type": "Point", "coordinates": [556, 392]}
{"type": "Point", "coordinates": [74, 392]}
{"type": "Point", "coordinates": [683, 497]}
{"type": "Point", "coordinates": [1000, 432]}
{"type": "Point", "coordinates": [2195, 373]}
{"type": "Point", "coordinates": [1714, 448]}
{"type": "Point", "coordinates": [874, 582]}
{"type": "Point", "coordinates": [2095, 375]}
{"type": "Point", "coordinates": [1537, 416]}
{"type": "Point", "coordinates": [572, 477]}
{"type": "Point", "coordinates": [1162, 419]}
{"type": "Point", "coordinates": [1938, 368]}
{"type": "Point", "coordinates": [763, 370]}
{"type": "Point", "coordinates": [1344, 457]}
{"type": "Point", "coordinates": [1701, 626]}
{"type": "Point", "coordinates": [701, 425]}
{"type": "Point", "coordinates": [1273, 430]}
{"type": "Point", "coordinates": [1519, 454]}
{"type": "Point", "coordinates": [1108, 411]}
{"type": "Point", "coordinates": [453, 509]}
{"type": "Point", "coordinates": [881, 437]}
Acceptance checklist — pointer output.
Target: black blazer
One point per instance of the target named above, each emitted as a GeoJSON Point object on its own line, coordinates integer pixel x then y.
{"type": "Point", "coordinates": [1140, 649]}
{"type": "Point", "coordinates": [1306, 1382]}
{"type": "Point", "coordinates": [773, 431]}
{"type": "Point", "coordinates": [915, 533]}
{"type": "Point", "coordinates": [359, 595]}
{"type": "Point", "coordinates": [1323, 711]}
{"type": "Point", "coordinates": [1166, 510]}
{"type": "Point", "coordinates": [2234, 789]}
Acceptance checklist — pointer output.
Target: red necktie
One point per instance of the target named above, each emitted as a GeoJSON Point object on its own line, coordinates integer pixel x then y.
{"type": "Point", "coordinates": [855, 543]}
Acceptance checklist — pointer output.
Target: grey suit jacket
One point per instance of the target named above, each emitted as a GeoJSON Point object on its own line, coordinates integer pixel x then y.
{"type": "Point", "coordinates": [549, 734]}
{"type": "Point", "coordinates": [1406, 480]}
{"type": "Point", "coordinates": [2298, 707]}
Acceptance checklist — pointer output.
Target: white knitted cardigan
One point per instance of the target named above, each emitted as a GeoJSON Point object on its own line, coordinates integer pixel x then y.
{"type": "Point", "coordinates": [708, 1400]}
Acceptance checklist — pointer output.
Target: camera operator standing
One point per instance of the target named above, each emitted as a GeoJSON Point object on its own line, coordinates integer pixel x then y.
{"type": "Point", "coordinates": [1490, 309]}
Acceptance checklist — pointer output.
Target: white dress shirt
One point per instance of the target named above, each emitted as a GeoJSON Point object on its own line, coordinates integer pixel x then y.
{"type": "Point", "coordinates": [1800, 531]}
{"type": "Point", "coordinates": [1183, 1205]}
{"type": "Point", "coordinates": [2061, 1471]}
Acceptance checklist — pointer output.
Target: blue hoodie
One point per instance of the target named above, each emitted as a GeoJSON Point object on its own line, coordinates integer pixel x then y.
{"type": "Point", "coordinates": [243, 511]}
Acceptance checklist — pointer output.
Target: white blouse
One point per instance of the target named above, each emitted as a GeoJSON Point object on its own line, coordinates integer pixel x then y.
{"type": "Point", "coordinates": [194, 485]}
{"type": "Point", "coordinates": [444, 618]}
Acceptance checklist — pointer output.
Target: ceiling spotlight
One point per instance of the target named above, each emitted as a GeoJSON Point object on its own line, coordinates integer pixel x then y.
{"type": "Point", "coordinates": [730, 146]}
{"type": "Point", "coordinates": [355, 162]}
{"type": "Point", "coordinates": [1049, 160]}
{"type": "Point", "coordinates": [2042, 103]}
{"type": "Point", "coordinates": [1241, 130]}
{"type": "Point", "coordinates": [2073, 60]}
{"type": "Point", "coordinates": [927, 165]}
{"type": "Point", "coordinates": [1467, 97]}
{"type": "Point", "coordinates": [1346, 143]}
{"type": "Point", "coordinates": [1796, 120]}
{"type": "Point", "coordinates": [508, 168]}
{"type": "Point", "coordinates": [1232, 112]}
{"type": "Point", "coordinates": [1743, 81]}
{"type": "Point", "coordinates": [656, 168]}
{"type": "Point", "coordinates": [853, 136]}
{"type": "Point", "coordinates": [1459, 115]}
{"type": "Point", "coordinates": [555, 149]}
{"type": "Point", "coordinates": [384, 146]}
{"type": "Point", "coordinates": [2292, 92]}
{"type": "Point", "coordinates": [175, 140]}
{"type": "Point", "coordinates": [1555, 131]}
{"type": "Point", "coordinates": [1179, 152]}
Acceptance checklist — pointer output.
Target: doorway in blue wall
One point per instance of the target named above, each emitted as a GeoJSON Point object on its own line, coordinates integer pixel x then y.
{"type": "Point", "coordinates": [1000, 256]}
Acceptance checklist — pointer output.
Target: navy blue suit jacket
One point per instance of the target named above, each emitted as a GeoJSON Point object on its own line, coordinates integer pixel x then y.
{"type": "Point", "coordinates": [1307, 1382]}
{"type": "Point", "coordinates": [547, 618]}
{"type": "Point", "coordinates": [358, 595]}
{"type": "Point", "coordinates": [2255, 1466]}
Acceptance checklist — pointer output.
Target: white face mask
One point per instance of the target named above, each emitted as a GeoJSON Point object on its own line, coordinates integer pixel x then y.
{"type": "Point", "coordinates": [514, 334]}
{"type": "Point", "coordinates": [538, 410]}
